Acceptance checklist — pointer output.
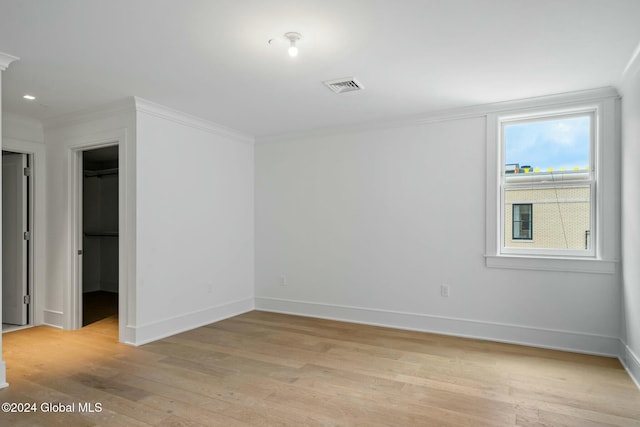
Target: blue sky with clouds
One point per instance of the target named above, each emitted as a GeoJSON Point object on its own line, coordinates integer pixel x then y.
{"type": "Point", "coordinates": [558, 143]}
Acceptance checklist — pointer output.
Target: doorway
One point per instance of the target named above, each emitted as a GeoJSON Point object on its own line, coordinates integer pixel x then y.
{"type": "Point", "coordinates": [100, 234]}
{"type": "Point", "coordinates": [16, 238]}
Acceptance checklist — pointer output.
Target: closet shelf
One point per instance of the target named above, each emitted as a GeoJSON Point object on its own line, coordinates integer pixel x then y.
{"type": "Point", "coordinates": [101, 234]}
{"type": "Point", "coordinates": [100, 172]}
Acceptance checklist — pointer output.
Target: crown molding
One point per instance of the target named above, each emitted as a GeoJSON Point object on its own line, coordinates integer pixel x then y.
{"type": "Point", "coordinates": [459, 113]}
{"type": "Point", "coordinates": [582, 96]}
{"type": "Point", "coordinates": [161, 111]}
{"type": "Point", "coordinates": [23, 121]}
{"type": "Point", "coordinates": [134, 104]}
{"type": "Point", "coordinates": [6, 59]}
{"type": "Point", "coordinates": [22, 128]}
{"type": "Point", "coordinates": [125, 105]}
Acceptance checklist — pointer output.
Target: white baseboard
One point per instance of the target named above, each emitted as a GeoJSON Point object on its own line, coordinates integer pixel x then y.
{"type": "Point", "coordinates": [53, 318]}
{"type": "Point", "coordinates": [631, 362]}
{"type": "Point", "coordinates": [514, 334]}
{"type": "Point", "coordinates": [143, 334]}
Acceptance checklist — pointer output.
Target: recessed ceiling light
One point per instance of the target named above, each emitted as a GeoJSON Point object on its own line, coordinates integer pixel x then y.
{"type": "Point", "coordinates": [29, 97]}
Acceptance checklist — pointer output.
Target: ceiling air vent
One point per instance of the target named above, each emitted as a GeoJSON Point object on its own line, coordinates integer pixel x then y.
{"type": "Point", "coordinates": [347, 84]}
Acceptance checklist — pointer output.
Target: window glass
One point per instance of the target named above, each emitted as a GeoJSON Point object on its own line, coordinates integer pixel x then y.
{"type": "Point", "coordinates": [547, 184]}
{"type": "Point", "coordinates": [542, 146]}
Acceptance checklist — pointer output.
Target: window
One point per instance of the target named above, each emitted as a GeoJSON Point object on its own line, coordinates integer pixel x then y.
{"type": "Point", "coordinates": [572, 184]}
{"type": "Point", "coordinates": [547, 178]}
{"type": "Point", "coordinates": [521, 221]}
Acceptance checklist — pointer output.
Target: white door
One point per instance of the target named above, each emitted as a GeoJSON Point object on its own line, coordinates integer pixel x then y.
{"type": "Point", "coordinates": [14, 244]}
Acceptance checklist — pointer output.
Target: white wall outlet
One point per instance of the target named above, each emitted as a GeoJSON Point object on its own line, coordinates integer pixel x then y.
{"type": "Point", "coordinates": [283, 280]}
{"type": "Point", "coordinates": [444, 290]}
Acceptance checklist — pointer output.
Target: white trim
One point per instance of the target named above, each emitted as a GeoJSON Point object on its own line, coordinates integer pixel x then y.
{"type": "Point", "coordinates": [631, 362]}
{"type": "Point", "coordinates": [25, 124]}
{"type": "Point", "coordinates": [460, 113]}
{"type": "Point", "coordinates": [53, 318]}
{"type": "Point", "coordinates": [125, 105]}
{"type": "Point", "coordinates": [126, 206]}
{"type": "Point", "coordinates": [153, 331]}
{"type": "Point", "coordinates": [492, 331]}
{"type": "Point", "coordinates": [157, 110]}
{"type": "Point", "coordinates": [575, 265]}
{"type": "Point", "coordinates": [38, 220]}
{"type": "Point", "coordinates": [605, 215]}
{"type": "Point", "coordinates": [140, 105]}
{"type": "Point", "coordinates": [6, 59]}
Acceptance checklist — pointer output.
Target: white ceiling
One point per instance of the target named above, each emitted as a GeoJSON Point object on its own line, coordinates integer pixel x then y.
{"type": "Point", "coordinates": [210, 58]}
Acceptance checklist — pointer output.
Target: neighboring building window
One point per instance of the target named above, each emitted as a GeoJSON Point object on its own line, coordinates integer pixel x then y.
{"type": "Point", "coordinates": [522, 221]}
{"type": "Point", "coordinates": [547, 178]}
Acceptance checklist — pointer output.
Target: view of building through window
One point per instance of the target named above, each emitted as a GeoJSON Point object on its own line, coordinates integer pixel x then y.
{"type": "Point", "coordinates": [547, 183]}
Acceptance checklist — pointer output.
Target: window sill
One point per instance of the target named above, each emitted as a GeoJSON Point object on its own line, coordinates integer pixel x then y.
{"type": "Point", "coordinates": [575, 265]}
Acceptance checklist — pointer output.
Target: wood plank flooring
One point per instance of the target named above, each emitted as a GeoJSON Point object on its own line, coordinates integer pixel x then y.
{"type": "Point", "coordinates": [265, 369]}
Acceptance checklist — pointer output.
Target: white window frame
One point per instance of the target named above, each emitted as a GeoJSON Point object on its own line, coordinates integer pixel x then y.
{"type": "Point", "coordinates": [605, 225]}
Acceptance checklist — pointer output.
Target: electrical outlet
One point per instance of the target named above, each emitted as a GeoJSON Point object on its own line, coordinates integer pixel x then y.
{"type": "Point", "coordinates": [283, 280]}
{"type": "Point", "coordinates": [444, 290]}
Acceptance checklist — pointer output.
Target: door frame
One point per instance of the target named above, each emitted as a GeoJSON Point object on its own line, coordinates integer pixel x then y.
{"type": "Point", "coordinates": [38, 221]}
{"type": "Point", "coordinates": [73, 298]}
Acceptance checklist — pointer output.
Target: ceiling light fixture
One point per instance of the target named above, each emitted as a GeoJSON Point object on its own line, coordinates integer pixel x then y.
{"type": "Point", "coordinates": [29, 97]}
{"type": "Point", "coordinates": [293, 37]}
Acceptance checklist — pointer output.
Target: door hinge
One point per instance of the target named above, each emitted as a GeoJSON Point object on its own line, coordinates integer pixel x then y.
{"type": "Point", "coordinates": [27, 235]}
{"type": "Point", "coordinates": [27, 171]}
{"type": "Point", "coordinates": [27, 299]}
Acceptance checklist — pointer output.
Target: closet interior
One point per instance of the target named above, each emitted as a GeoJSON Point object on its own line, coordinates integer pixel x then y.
{"type": "Point", "coordinates": [100, 234]}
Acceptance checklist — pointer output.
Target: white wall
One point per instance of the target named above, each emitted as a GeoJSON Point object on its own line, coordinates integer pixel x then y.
{"type": "Point", "coordinates": [630, 90]}
{"type": "Point", "coordinates": [365, 226]}
{"type": "Point", "coordinates": [195, 222]}
{"type": "Point", "coordinates": [186, 224]}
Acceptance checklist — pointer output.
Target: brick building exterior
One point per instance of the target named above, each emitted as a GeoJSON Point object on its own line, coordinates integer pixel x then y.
{"type": "Point", "coordinates": [560, 218]}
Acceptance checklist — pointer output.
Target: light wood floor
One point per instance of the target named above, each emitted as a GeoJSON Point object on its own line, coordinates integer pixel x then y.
{"type": "Point", "coordinates": [264, 369]}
